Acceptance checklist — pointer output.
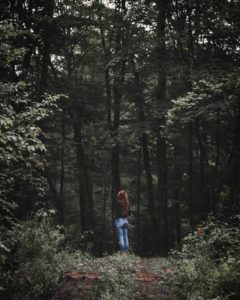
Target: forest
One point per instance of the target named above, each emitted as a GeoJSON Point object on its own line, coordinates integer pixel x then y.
{"type": "Point", "coordinates": [98, 96]}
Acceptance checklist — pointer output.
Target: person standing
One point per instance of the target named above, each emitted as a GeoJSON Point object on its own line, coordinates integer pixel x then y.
{"type": "Point", "coordinates": [121, 221]}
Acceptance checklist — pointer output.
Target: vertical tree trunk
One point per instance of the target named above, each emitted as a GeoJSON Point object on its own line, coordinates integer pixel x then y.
{"type": "Point", "coordinates": [189, 87]}
{"type": "Point", "coordinates": [139, 100]}
{"type": "Point", "coordinates": [148, 172]}
{"type": "Point", "coordinates": [113, 96]}
{"type": "Point", "coordinates": [85, 195]}
{"type": "Point", "coordinates": [46, 49]}
{"type": "Point", "coordinates": [204, 182]}
{"type": "Point", "coordinates": [109, 98]}
{"type": "Point", "coordinates": [216, 169]}
{"type": "Point", "coordinates": [62, 157]}
{"type": "Point", "coordinates": [138, 194]}
{"type": "Point", "coordinates": [176, 206]}
{"type": "Point", "coordinates": [103, 237]}
{"type": "Point", "coordinates": [55, 196]}
{"type": "Point", "coordinates": [118, 80]}
{"type": "Point", "coordinates": [117, 95]}
{"type": "Point", "coordinates": [200, 209]}
{"type": "Point", "coordinates": [62, 166]}
{"type": "Point", "coordinates": [162, 7]}
{"type": "Point", "coordinates": [235, 166]}
{"type": "Point", "coordinates": [190, 35]}
{"type": "Point", "coordinates": [190, 175]}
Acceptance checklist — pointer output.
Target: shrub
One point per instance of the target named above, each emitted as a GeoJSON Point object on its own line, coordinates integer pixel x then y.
{"type": "Point", "coordinates": [118, 281]}
{"type": "Point", "coordinates": [208, 265]}
{"type": "Point", "coordinates": [40, 256]}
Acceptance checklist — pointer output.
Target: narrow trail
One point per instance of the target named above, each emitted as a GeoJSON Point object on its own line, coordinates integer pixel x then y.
{"type": "Point", "coordinates": [151, 285]}
{"type": "Point", "coordinates": [84, 285]}
{"type": "Point", "coordinates": [77, 286]}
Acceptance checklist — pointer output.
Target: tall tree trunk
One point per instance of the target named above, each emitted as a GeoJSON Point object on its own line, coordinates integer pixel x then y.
{"type": "Point", "coordinates": [235, 166]}
{"type": "Point", "coordinates": [46, 49]}
{"type": "Point", "coordinates": [162, 194]}
{"type": "Point", "coordinates": [113, 97]}
{"type": "Point", "coordinates": [117, 95]}
{"type": "Point", "coordinates": [62, 156]}
{"type": "Point", "coordinates": [118, 80]}
{"type": "Point", "coordinates": [85, 195]}
{"type": "Point", "coordinates": [62, 164]}
{"type": "Point", "coordinates": [201, 208]}
{"type": "Point", "coordinates": [191, 200]}
{"type": "Point", "coordinates": [103, 237]}
{"type": "Point", "coordinates": [109, 98]}
{"type": "Point", "coordinates": [139, 100]}
{"type": "Point", "coordinates": [107, 77]}
{"type": "Point", "coordinates": [162, 6]}
{"type": "Point", "coordinates": [203, 160]}
{"type": "Point", "coordinates": [148, 172]}
{"type": "Point", "coordinates": [190, 36]}
{"type": "Point", "coordinates": [217, 159]}
{"type": "Point", "coordinates": [139, 194]}
{"type": "Point", "coordinates": [176, 205]}
{"type": "Point", "coordinates": [56, 198]}
{"type": "Point", "coordinates": [191, 210]}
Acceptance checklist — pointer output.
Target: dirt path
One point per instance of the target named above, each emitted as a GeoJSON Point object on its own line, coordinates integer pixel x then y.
{"type": "Point", "coordinates": [84, 285]}
{"type": "Point", "coordinates": [77, 286]}
{"type": "Point", "coordinates": [151, 285]}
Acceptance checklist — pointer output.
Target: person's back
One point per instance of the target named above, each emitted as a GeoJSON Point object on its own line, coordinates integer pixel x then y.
{"type": "Point", "coordinates": [121, 222]}
{"type": "Point", "coordinates": [121, 211]}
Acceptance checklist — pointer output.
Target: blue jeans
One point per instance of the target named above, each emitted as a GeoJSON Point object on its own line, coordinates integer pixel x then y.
{"type": "Point", "coordinates": [122, 233]}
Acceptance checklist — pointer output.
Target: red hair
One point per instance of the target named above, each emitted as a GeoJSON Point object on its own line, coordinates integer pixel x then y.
{"type": "Point", "coordinates": [123, 198]}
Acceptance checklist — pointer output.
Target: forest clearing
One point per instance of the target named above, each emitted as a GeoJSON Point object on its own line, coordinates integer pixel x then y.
{"type": "Point", "coordinates": [119, 149]}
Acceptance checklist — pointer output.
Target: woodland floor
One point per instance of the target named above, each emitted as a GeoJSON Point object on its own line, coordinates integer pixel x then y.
{"type": "Point", "coordinates": [147, 275]}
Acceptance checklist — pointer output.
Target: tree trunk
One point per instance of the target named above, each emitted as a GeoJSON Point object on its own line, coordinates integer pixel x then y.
{"type": "Point", "coordinates": [46, 49]}
{"type": "Point", "coordinates": [176, 205]}
{"type": "Point", "coordinates": [103, 237]}
{"type": "Point", "coordinates": [139, 100]}
{"type": "Point", "coordinates": [203, 161]}
{"type": "Point", "coordinates": [55, 196]}
{"type": "Point", "coordinates": [235, 166]}
{"type": "Point", "coordinates": [62, 157]}
{"type": "Point", "coordinates": [113, 99]}
{"type": "Point", "coordinates": [119, 73]}
{"type": "Point", "coordinates": [85, 195]}
{"type": "Point", "coordinates": [117, 95]}
{"type": "Point", "coordinates": [191, 210]}
{"type": "Point", "coordinates": [162, 194]}
{"type": "Point", "coordinates": [138, 194]}
{"type": "Point", "coordinates": [216, 169]}
{"type": "Point", "coordinates": [163, 242]}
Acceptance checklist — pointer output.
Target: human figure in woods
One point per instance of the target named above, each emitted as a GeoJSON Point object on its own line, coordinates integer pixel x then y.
{"type": "Point", "coordinates": [121, 222]}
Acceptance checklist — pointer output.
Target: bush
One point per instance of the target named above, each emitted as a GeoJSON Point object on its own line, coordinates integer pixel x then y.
{"type": "Point", "coordinates": [208, 266]}
{"type": "Point", "coordinates": [40, 256]}
{"type": "Point", "coordinates": [118, 281]}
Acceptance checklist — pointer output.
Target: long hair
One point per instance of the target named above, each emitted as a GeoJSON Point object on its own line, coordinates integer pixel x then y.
{"type": "Point", "coordinates": [123, 198]}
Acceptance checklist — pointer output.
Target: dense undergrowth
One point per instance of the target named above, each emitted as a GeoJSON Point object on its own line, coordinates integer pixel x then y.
{"type": "Point", "coordinates": [41, 255]}
{"type": "Point", "coordinates": [207, 267]}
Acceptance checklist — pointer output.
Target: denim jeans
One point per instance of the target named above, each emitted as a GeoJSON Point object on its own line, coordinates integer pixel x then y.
{"type": "Point", "coordinates": [122, 233]}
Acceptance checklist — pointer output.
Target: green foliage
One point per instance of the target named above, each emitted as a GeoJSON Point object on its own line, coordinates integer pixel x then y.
{"type": "Point", "coordinates": [210, 92]}
{"type": "Point", "coordinates": [22, 150]}
{"type": "Point", "coordinates": [40, 257]}
{"type": "Point", "coordinates": [7, 220]}
{"type": "Point", "coordinates": [208, 264]}
{"type": "Point", "coordinates": [8, 50]}
{"type": "Point", "coordinates": [118, 280]}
